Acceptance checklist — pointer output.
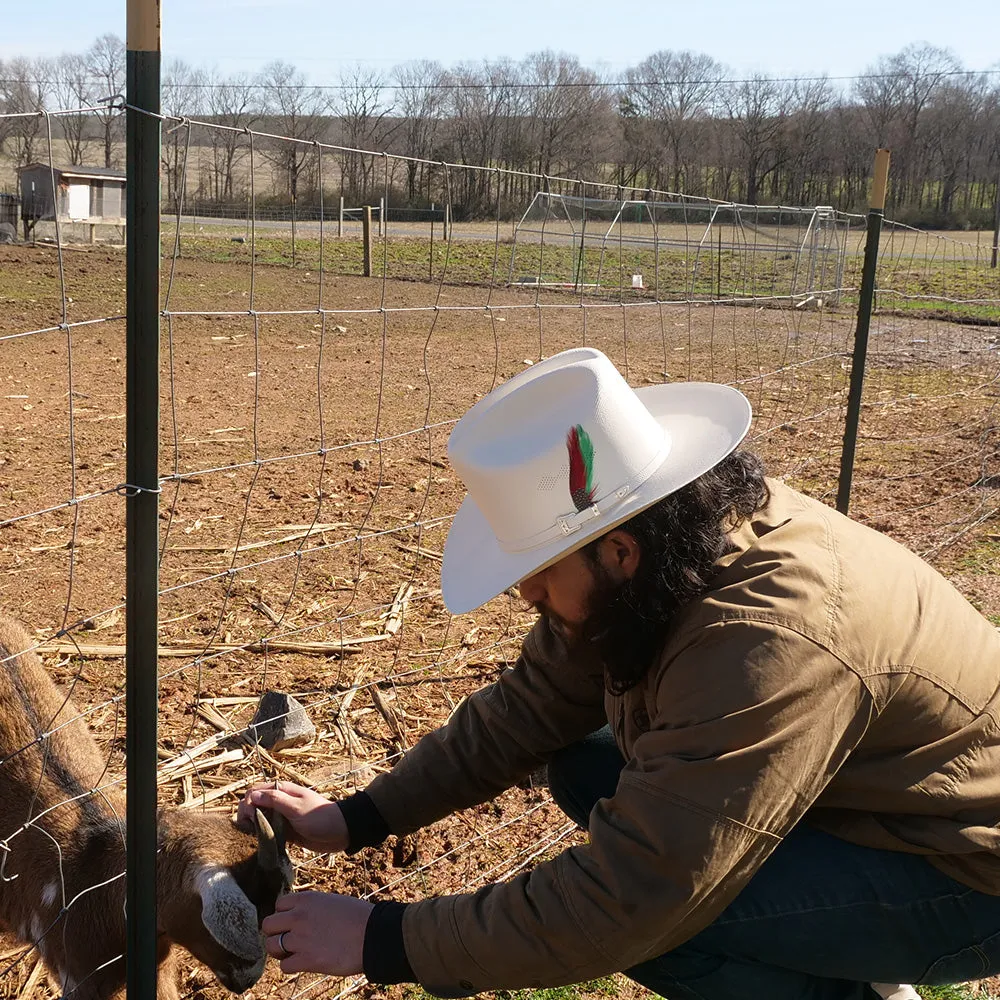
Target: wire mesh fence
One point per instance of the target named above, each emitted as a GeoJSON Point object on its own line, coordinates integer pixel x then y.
{"type": "Point", "coordinates": [306, 495]}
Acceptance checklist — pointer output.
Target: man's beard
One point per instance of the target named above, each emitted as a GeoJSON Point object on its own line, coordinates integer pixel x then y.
{"type": "Point", "coordinates": [617, 630]}
{"type": "Point", "coordinates": [681, 539]}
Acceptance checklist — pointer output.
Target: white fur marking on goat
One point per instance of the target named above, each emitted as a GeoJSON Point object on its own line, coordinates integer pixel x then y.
{"type": "Point", "coordinates": [227, 913]}
{"type": "Point", "coordinates": [49, 893]}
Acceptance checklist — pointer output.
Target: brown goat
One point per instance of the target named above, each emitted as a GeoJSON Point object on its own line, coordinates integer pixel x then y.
{"type": "Point", "coordinates": [62, 853]}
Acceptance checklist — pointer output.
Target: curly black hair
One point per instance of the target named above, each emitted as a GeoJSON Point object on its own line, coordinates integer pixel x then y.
{"type": "Point", "coordinates": [680, 538]}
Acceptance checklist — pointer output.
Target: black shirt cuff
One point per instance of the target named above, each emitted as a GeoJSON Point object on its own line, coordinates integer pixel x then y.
{"type": "Point", "coordinates": [365, 826]}
{"type": "Point", "coordinates": [384, 955]}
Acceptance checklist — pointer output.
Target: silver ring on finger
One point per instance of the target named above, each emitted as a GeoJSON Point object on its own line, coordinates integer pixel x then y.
{"type": "Point", "coordinates": [285, 953]}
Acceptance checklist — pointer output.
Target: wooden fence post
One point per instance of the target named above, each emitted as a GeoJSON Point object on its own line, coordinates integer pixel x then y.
{"type": "Point", "coordinates": [996, 227]}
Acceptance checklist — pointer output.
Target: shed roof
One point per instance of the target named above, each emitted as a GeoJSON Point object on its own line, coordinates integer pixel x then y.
{"type": "Point", "coordinates": [86, 173]}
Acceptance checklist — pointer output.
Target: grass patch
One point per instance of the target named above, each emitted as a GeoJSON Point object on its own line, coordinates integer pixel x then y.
{"type": "Point", "coordinates": [15, 289]}
{"type": "Point", "coordinates": [954, 290]}
{"type": "Point", "coordinates": [983, 558]}
{"type": "Point", "coordinates": [599, 271]}
{"type": "Point", "coordinates": [951, 290]}
{"type": "Point", "coordinates": [619, 986]}
{"type": "Point", "coordinates": [607, 987]}
{"type": "Point", "coordinates": [921, 379]}
{"type": "Point", "coordinates": [950, 993]}
{"type": "Point", "coordinates": [610, 986]}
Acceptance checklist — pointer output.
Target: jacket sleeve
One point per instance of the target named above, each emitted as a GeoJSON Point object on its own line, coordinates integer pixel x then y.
{"type": "Point", "coordinates": [752, 721]}
{"type": "Point", "coordinates": [496, 737]}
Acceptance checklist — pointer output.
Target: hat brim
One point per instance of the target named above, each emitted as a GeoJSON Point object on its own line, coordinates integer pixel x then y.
{"type": "Point", "coordinates": [705, 421]}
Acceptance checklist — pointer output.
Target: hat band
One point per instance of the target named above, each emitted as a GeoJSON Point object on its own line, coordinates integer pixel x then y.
{"type": "Point", "coordinates": [569, 524]}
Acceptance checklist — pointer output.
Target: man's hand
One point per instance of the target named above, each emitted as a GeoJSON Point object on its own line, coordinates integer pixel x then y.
{"type": "Point", "coordinates": [318, 932]}
{"type": "Point", "coordinates": [312, 819]}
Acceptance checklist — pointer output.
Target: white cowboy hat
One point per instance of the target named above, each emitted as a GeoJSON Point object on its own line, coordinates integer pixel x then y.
{"type": "Point", "coordinates": [563, 452]}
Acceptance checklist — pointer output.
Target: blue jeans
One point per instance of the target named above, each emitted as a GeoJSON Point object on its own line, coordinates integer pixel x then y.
{"type": "Point", "coordinates": [820, 920]}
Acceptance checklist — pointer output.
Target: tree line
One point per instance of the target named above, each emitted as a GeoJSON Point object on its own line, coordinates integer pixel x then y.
{"type": "Point", "coordinates": [676, 121]}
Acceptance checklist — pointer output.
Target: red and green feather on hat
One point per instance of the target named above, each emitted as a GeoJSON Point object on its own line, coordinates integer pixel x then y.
{"type": "Point", "coordinates": [581, 467]}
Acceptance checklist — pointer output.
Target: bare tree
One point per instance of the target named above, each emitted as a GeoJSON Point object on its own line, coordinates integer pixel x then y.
{"type": "Point", "coordinates": [363, 114]}
{"type": "Point", "coordinates": [72, 88]}
{"type": "Point", "coordinates": [639, 151]}
{"type": "Point", "coordinates": [294, 110]}
{"type": "Point", "coordinates": [589, 143]}
{"type": "Point", "coordinates": [181, 97]}
{"type": "Point", "coordinates": [989, 151]}
{"type": "Point", "coordinates": [952, 122]}
{"type": "Point", "coordinates": [806, 129]}
{"type": "Point", "coordinates": [894, 93]}
{"type": "Point", "coordinates": [23, 90]}
{"type": "Point", "coordinates": [672, 92]}
{"type": "Point", "coordinates": [757, 109]}
{"type": "Point", "coordinates": [420, 100]}
{"type": "Point", "coordinates": [5, 123]}
{"type": "Point", "coordinates": [851, 155]}
{"type": "Point", "coordinates": [565, 103]}
{"type": "Point", "coordinates": [233, 102]}
{"type": "Point", "coordinates": [6, 104]}
{"type": "Point", "coordinates": [106, 63]}
{"type": "Point", "coordinates": [483, 107]}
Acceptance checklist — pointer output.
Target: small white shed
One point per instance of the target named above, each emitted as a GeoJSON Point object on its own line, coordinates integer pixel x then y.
{"type": "Point", "coordinates": [94, 196]}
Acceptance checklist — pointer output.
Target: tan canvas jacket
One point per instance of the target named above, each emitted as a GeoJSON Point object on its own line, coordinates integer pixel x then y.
{"type": "Point", "coordinates": [829, 676]}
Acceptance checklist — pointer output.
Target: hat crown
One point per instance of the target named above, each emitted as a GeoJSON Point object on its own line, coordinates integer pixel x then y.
{"type": "Point", "coordinates": [553, 446]}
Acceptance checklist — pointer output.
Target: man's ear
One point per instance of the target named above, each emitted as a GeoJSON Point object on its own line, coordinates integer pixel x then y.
{"type": "Point", "coordinates": [621, 554]}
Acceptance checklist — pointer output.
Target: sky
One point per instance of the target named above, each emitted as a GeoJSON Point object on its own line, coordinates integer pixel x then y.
{"type": "Point", "coordinates": [324, 37]}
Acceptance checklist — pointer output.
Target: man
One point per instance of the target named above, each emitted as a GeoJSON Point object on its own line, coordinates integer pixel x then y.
{"type": "Point", "coordinates": [779, 727]}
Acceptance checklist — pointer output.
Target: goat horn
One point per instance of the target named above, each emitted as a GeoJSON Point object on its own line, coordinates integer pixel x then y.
{"type": "Point", "coordinates": [270, 840]}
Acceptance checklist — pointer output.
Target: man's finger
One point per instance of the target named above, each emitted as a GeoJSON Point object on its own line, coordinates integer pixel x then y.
{"type": "Point", "coordinates": [269, 797]}
{"type": "Point", "coordinates": [295, 963]}
{"type": "Point", "coordinates": [287, 902]}
{"type": "Point", "coordinates": [245, 818]}
{"type": "Point", "coordinates": [265, 784]}
{"type": "Point", "coordinates": [275, 923]}
{"type": "Point", "coordinates": [275, 947]}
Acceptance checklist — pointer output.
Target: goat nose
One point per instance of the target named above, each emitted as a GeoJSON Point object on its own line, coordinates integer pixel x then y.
{"type": "Point", "coordinates": [239, 978]}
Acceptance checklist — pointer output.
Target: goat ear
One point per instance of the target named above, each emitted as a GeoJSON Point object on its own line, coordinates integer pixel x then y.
{"type": "Point", "coordinates": [270, 839]}
{"type": "Point", "coordinates": [228, 914]}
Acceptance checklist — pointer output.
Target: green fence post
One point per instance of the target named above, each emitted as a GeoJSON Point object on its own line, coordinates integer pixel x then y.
{"type": "Point", "coordinates": [876, 212]}
{"type": "Point", "coordinates": [142, 335]}
{"type": "Point", "coordinates": [366, 241]}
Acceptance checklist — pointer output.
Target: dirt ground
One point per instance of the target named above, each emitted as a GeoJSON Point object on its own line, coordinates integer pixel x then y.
{"type": "Point", "coordinates": [304, 421]}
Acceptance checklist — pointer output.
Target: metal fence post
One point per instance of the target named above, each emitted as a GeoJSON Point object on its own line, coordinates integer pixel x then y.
{"type": "Point", "coordinates": [142, 334]}
{"type": "Point", "coordinates": [366, 240]}
{"type": "Point", "coordinates": [866, 299]}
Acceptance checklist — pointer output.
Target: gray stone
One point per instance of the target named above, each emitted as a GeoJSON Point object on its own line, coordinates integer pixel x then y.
{"type": "Point", "coordinates": [280, 721]}
{"type": "Point", "coordinates": [8, 234]}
